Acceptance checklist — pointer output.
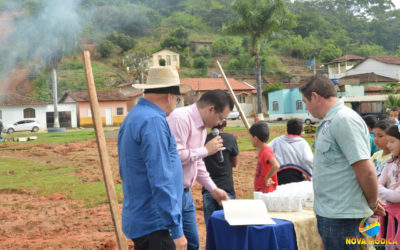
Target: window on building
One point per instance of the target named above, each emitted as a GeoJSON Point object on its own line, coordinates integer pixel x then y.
{"type": "Point", "coordinates": [242, 98]}
{"type": "Point", "coordinates": [174, 58]}
{"type": "Point", "coordinates": [168, 60]}
{"type": "Point", "coordinates": [1, 114]}
{"type": "Point", "coordinates": [299, 105]}
{"type": "Point", "coordinates": [89, 112]}
{"type": "Point", "coordinates": [120, 111]}
{"type": "Point", "coordinates": [275, 106]}
{"type": "Point", "coordinates": [29, 113]}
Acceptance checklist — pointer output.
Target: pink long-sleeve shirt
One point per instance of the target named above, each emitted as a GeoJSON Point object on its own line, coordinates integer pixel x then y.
{"type": "Point", "coordinates": [389, 183]}
{"type": "Point", "coordinates": [190, 134]}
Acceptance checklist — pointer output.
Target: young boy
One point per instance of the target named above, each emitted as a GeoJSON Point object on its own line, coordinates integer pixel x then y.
{"type": "Point", "coordinates": [379, 158]}
{"type": "Point", "coordinates": [266, 178]}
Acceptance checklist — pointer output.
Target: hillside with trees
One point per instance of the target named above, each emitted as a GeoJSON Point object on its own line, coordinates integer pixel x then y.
{"type": "Point", "coordinates": [124, 33]}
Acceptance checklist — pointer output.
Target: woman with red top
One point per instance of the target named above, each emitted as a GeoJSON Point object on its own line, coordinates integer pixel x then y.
{"type": "Point", "coordinates": [266, 178]}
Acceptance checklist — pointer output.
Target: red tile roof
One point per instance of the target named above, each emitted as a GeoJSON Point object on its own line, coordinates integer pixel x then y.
{"type": "Point", "coordinates": [105, 95]}
{"type": "Point", "coordinates": [206, 84]}
{"type": "Point", "coordinates": [386, 59]}
{"type": "Point", "coordinates": [292, 85]}
{"type": "Point", "coordinates": [369, 77]}
{"type": "Point", "coordinates": [18, 100]}
{"type": "Point", "coordinates": [346, 58]}
{"type": "Point", "coordinates": [137, 93]}
{"type": "Point", "coordinates": [125, 85]}
{"type": "Point", "coordinates": [373, 89]}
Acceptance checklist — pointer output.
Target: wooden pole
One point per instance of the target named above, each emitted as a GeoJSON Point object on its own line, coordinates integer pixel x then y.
{"type": "Point", "coordinates": [238, 107]}
{"type": "Point", "coordinates": [101, 144]}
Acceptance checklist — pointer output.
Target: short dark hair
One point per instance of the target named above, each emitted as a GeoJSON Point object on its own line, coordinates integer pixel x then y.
{"type": "Point", "coordinates": [384, 124]}
{"type": "Point", "coordinates": [370, 120]}
{"type": "Point", "coordinates": [393, 131]}
{"type": "Point", "coordinates": [218, 98]}
{"type": "Point", "coordinates": [319, 84]}
{"type": "Point", "coordinates": [294, 126]}
{"type": "Point", "coordinates": [221, 125]}
{"type": "Point", "coordinates": [260, 130]}
{"type": "Point", "coordinates": [395, 108]}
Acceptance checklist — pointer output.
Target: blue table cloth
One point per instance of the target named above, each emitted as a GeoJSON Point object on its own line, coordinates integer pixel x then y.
{"type": "Point", "coordinates": [220, 235]}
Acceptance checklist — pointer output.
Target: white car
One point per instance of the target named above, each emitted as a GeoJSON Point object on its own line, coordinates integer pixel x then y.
{"type": "Point", "coordinates": [310, 119]}
{"type": "Point", "coordinates": [23, 125]}
{"type": "Point", "coordinates": [233, 115]}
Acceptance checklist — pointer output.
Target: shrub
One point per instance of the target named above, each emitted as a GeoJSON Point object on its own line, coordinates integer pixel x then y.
{"type": "Point", "coordinates": [105, 48]}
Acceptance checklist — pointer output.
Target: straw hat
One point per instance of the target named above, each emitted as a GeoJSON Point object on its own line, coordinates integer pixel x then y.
{"type": "Point", "coordinates": [160, 77]}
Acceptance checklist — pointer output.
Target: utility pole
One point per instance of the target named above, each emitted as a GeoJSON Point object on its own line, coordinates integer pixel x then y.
{"type": "Point", "coordinates": [314, 63]}
{"type": "Point", "coordinates": [55, 99]}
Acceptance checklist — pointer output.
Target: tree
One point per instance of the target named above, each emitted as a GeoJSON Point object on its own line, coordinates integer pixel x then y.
{"type": "Point", "coordinates": [177, 39]}
{"type": "Point", "coordinates": [257, 19]}
{"type": "Point", "coordinates": [138, 60]}
{"type": "Point", "coordinates": [105, 48]}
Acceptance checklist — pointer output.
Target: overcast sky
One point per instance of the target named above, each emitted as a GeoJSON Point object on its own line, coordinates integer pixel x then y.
{"type": "Point", "coordinates": [397, 3]}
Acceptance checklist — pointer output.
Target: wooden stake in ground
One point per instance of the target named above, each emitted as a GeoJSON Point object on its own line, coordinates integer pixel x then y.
{"type": "Point", "coordinates": [238, 107]}
{"type": "Point", "coordinates": [101, 144]}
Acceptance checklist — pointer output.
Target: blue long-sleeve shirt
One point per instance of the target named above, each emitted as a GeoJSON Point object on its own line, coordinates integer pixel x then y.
{"type": "Point", "coordinates": [151, 173]}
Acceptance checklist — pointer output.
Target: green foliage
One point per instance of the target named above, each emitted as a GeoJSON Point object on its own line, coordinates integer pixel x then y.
{"type": "Point", "coordinates": [369, 50]}
{"type": "Point", "coordinates": [177, 39]}
{"type": "Point", "coordinates": [392, 101]}
{"type": "Point", "coordinates": [201, 62]}
{"type": "Point", "coordinates": [105, 48]}
{"type": "Point", "coordinates": [123, 41]}
{"type": "Point", "coordinates": [162, 62]}
{"type": "Point", "coordinates": [390, 87]}
{"type": "Point", "coordinates": [186, 20]}
{"type": "Point", "coordinates": [272, 87]}
{"type": "Point", "coordinates": [226, 46]}
{"type": "Point", "coordinates": [329, 52]}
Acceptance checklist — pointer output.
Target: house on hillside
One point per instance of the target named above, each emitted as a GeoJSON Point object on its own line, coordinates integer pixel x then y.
{"type": "Point", "coordinates": [372, 83]}
{"type": "Point", "coordinates": [244, 92]}
{"type": "Point", "coordinates": [382, 66]}
{"type": "Point", "coordinates": [288, 103]}
{"type": "Point", "coordinates": [338, 67]}
{"type": "Point", "coordinates": [14, 107]}
{"type": "Point", "coordinates": [171, 58]}
{"type": "Point", "coordinates": [113, 106]}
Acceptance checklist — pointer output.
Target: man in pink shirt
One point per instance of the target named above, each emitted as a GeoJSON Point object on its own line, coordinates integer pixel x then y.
{"type": "Point", "coordinates": [188, 124]}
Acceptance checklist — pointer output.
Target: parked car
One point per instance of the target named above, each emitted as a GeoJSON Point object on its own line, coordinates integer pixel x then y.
{"type": "Point", "coordinates": [233, 115]}
{"type": "Point", "coordinates": [23, 125]}
{"type": "Point", "coordinates": [310, 119]}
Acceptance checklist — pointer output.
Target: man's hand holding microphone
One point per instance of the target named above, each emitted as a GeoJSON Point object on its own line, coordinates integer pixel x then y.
{"type": "Point", "coordinates": [213, 146]}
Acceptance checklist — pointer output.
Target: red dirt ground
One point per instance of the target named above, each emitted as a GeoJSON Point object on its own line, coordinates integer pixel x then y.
{"type": "Point", "coordinates": [55, 222]}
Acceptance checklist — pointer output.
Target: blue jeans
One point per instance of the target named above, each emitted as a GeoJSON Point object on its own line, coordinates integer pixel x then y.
{"type": "Point", "coordinates": [210, 205]}
{"type": "Point", "coordinates": [334, 232]}
{"type": "Point", "coordinates": [189, 221]}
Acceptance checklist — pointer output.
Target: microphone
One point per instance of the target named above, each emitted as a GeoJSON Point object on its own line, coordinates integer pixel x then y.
{"type": "Point", "coordinates": [220, 156]}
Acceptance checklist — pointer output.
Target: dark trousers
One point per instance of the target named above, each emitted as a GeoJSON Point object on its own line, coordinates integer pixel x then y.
{"type": "Point", "coordinates": [158, 240]}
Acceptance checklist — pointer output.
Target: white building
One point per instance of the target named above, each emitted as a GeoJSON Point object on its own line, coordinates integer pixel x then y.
{"type": "Point", "coordinates": [15, 107]}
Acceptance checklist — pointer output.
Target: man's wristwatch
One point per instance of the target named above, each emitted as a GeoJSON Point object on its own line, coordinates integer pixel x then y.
{"type": "Point", "coordinates": [374, 206]}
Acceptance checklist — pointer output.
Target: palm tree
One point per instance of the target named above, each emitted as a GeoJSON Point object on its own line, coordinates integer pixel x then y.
{"type": "Point", "coordinates": [258, 19]}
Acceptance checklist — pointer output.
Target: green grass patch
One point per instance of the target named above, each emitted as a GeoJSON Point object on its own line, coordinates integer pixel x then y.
{"type": "Point", "coordinates": [56, 137]}
{"type": "Point", "coordinates": [43, 179]}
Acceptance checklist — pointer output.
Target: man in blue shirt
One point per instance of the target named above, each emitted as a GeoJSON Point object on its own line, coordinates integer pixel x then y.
{"type": "Point", "coordinates": [150, 167]}
{"type": "Point", "coordinates": [344, 179]}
